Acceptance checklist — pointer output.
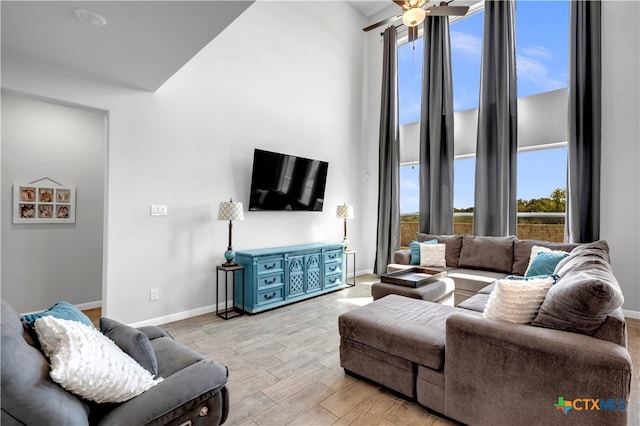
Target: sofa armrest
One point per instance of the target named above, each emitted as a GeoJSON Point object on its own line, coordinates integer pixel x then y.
{"type": "Point", "coordinates": [177, 397]}
{"type": "Point", "coordinates": [402, 257]}
{"type": "Point", "coordinates": [502, 373]}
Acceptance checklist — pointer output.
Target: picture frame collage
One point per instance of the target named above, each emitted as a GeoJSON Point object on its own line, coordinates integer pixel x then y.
{"type": "Point", "coordinates": [43, 203]}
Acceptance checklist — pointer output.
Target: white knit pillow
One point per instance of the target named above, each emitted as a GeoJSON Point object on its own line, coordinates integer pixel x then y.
{"type": "Point", "coordinates": [433, 255]}
{"type": "Point", "coordinates": [85, 362]}
{"type": "Point", "coordinates": [517, 300]}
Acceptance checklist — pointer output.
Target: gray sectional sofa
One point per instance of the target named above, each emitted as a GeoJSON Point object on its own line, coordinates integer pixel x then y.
{"type": "Point", "coordinates": [483, 371]}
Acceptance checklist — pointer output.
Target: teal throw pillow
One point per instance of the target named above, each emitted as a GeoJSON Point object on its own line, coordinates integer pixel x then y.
{"type": "Point", "coordinates": [545, 263]}
{"type": "Point", "coordinates": [414, 246]}
{"type": "Point", "coordinates": [62, 310]}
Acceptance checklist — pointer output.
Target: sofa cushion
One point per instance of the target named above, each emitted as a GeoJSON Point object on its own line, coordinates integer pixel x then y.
{"type": "Point", "coordinates": [453, 243]}
{"type": "Point", "coordinates": [433, 255]}
{"type": "Point", "coordinates": [517, 301]}
{"type": "Point", "coordinates": [522, 252]}
{"type": "Point", "coordinates": [25, 379]}
{"type": "Point", "coordinates": [475, 303]}
{"type": "Point", "coordinates": [87, 363]}
{"type": "Point", "coordinates": [473, 279]}
{"type": "Point", "coordinates": [487, 253]}
{"type": "Point", "coordinates": [407, 328]}
{"type": "Point", "coordinates": [133, 342]}
{"type": "Point", "coordinates": [586, 293]}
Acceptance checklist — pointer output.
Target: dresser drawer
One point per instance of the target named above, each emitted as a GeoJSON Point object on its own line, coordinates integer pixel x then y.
{"type": "Point", "coordinates": [332, 268]}
{"type": "Point", "coordinates": [270, 279]}
{"type": "Point", "coordinates": [269, 266]}
{"type": "Point", "coordinates": [332, 280]}
{"type": "Point", "coordinates": [270, 295]}
{"type": "Point", "coordinates": [333, 256]}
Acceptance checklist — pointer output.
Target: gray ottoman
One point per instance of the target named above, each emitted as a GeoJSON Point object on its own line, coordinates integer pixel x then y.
{"type": "Point", "coordinates": [438, 291]}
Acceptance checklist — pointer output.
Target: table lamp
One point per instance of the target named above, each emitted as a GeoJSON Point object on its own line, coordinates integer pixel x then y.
{"type": "Point", "coordinates": [345, 212]}
{"type": "Point", "coordinates": [230, 211]}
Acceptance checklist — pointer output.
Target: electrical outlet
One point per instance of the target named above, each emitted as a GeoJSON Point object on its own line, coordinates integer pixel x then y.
{"type": "Point", "coordinates": [158, 210]}
{"type": "Point", "coordinates": [153, 294]}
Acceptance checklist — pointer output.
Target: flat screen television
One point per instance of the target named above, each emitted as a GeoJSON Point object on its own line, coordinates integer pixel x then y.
{"type": "Point", "coordinates": [286, 182]}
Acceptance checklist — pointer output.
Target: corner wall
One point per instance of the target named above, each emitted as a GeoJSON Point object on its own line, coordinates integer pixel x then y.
{"type": "Point", "coordinates": [45, 263]}
{"type": "Point", "coordinates": [620, 186]}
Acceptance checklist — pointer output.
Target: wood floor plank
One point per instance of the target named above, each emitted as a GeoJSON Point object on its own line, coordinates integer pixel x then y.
{"type": "Point", "coordinates": [295, 405]}
{"type": "Point", "coordinates": [314, 416]}
{"type": "Point", "coordinates": [343, 400]}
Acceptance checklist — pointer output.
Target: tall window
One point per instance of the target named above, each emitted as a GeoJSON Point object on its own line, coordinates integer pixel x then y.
{"type": "Point", "coordinates": [542, 67]}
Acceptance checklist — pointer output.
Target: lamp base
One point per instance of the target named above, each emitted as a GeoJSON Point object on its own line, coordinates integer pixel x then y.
{"type": "Point", "coordinates": [345, 242]}
{"type": "Point", "coordinates": [229, 255]}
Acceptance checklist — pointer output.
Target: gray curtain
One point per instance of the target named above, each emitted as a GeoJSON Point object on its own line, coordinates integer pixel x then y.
{"type": "Point", "coordinates": [583, 169]}
{"type": "Point", "coordinates": [495, 208]}
{"type": "Point", "coordinates": [436, 130]}
{"type": "Point", "coordinates": [388, 237]}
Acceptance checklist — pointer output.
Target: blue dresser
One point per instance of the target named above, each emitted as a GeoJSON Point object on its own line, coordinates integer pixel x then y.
{"type": "Point", "coordinates": [281, 275]}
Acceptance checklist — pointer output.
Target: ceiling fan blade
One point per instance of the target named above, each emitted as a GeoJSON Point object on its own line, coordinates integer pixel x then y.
{"type": "Point", "coordinates": [447, 10]}
{"type": "Point", "coordinates": [399, 2]}
{"type": "Point", "coordinates": [384, 21]}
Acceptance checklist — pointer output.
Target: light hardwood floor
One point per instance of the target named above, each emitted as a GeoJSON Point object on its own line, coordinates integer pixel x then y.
{"type": "Point", "coordinates": [284, 366]}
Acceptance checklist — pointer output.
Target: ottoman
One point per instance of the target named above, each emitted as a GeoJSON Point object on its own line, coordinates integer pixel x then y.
{"type": "Point", "coordinates": [386, 340]}
{"type": "Point", "coordinates": [438, 291]}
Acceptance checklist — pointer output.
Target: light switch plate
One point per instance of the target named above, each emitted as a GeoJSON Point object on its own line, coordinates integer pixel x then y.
{"type": "Point", "coordinates": [158, 210]}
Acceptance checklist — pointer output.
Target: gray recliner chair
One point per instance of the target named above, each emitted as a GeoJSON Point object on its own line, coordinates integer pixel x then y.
{"type": "Point", "coordinates": [193, 391]}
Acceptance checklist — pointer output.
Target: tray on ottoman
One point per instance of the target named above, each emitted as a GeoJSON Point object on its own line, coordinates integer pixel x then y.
{"type": "Point", "coordinates": [413, 277]}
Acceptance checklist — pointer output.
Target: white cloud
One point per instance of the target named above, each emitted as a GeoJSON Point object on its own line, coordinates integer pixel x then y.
{"type": "Point", "coordinates": [537, 51]}
{"type": "Point", "coordinates": [466, 44]}
{"type": "Point", "coordinates": [536, 72]}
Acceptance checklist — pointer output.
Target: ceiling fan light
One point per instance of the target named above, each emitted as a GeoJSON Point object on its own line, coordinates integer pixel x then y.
{"type": "Point", "coordinates": [413, 17]}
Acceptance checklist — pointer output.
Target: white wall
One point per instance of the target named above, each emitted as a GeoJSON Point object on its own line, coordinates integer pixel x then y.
{"type": "Point", "coordinates": [620, 191]}
{"type": "Point", "coordinates": [285, 76]}
{"type": "Point", "coordinates": [45, 263]}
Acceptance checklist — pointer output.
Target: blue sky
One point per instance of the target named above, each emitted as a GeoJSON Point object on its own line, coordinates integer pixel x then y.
{"type": "Point", "coordinates": [542, 64]}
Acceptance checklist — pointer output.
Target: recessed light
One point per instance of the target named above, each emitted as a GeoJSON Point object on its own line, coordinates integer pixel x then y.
{"type": "Point", "coordinates": [90, 17]}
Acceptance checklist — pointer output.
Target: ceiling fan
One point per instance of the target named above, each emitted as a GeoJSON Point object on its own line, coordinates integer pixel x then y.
{"type": "Point", "coordinates": [413, 14]}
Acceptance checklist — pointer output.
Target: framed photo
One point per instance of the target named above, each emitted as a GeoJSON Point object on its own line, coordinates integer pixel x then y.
{"type": "Point", "coordinates": [48, 203]}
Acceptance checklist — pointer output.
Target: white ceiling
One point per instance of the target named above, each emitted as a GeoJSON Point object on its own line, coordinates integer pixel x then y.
{"type": "Point", "coordinates": [371, 7]}
{"type": "Point", "coordinates": [143, 44]}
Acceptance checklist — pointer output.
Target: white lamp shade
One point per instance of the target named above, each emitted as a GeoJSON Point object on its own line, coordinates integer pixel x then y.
{"type": "Point", "coordinates": [230, 210]}
{"type": "Point", "coordinates": [413, 16]}
{"type": "Point", "coordinates": [344, 212]}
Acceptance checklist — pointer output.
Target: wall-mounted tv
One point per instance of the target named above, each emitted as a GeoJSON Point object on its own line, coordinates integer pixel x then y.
{"type": "Point", "coordinates": [287, 182]}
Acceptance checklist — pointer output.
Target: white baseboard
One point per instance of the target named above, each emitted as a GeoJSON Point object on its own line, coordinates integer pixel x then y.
{"type": "Point", "coordinates": [81, 306]}
{"type": "Point", "coordinates": [631, 314]}
{"type": "Point", "coordinates": [89, 305]}
{"type": "Point", "coordinates": [179, 315]}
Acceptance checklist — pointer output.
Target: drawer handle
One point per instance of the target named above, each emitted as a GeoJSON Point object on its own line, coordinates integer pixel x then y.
{"type": "Point", "coordinates": [332, 280]}
{"type": "Point", "coordinates": [267, 297]}
{"type": "Point", "coordinates": [273, 265]}
{"type": "Point", "coordinates": [271, 281]}
{"type": "Point", "coordinates": [333, 268]}
{"type": "Point", "coordinates": [332, 256]}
